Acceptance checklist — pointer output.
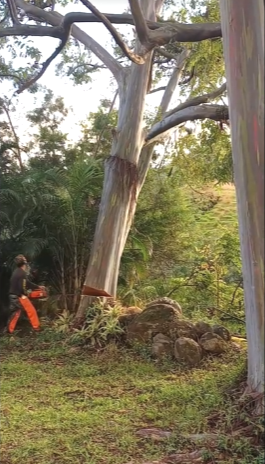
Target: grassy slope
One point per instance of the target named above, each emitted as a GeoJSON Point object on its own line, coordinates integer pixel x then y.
{"type": "Point", "coordinates": [60, 406]}
{"type": "Point", "coordinates": [223, 217]}
{"type": "Point", "coordinates": [225, 212]}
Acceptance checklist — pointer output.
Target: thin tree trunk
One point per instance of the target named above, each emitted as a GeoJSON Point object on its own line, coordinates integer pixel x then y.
{"type": "Point", "coordinates": [64, 293]}
{"type": "Point", "coordinates": [243, 37]}
{"type": "Point", "coordinates": [16, 138]}
{"type": "Point", "coordinates": [76, 277]}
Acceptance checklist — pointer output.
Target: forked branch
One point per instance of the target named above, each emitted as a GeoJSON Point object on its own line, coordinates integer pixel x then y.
{"type": "Point", "coordinates": [56, 20]}
{"type": "Point", "coordinates": [192, 113]}
{"type": "Point", "coordinates": [47, 63]}
{"type": "Point", "coordinates": [115, 34]}
{"type": "Point", "coordinates": [199, 100]}
{"type": "Point", "coordinates": [139, 22]}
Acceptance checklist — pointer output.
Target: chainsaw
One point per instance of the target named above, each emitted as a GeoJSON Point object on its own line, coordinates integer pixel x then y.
{"type": "Point", "coordinates": [38, 294]}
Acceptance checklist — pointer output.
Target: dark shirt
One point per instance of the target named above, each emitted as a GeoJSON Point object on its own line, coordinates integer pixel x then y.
{"type": "Point", "coordinates": [19, 284]}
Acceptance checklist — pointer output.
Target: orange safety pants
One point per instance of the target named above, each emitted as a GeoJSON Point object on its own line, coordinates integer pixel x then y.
{"type": "Point", "coordinates": [17, 305]}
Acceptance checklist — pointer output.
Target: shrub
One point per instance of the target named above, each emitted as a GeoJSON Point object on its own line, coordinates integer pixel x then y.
{"type": "Point", "coordinates": [101, 326]}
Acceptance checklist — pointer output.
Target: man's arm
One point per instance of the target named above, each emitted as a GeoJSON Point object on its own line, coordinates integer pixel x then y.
{"type": "Point", "coordinates": [31, 285]}
{"type": "Point", "coordinates": [22, 282]}
{"type": "Point", "coordinates": [26, 284]}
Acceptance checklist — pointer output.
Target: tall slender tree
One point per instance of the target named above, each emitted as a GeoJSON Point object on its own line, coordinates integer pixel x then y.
{"type": "Point", "coordinates": [243, 37]}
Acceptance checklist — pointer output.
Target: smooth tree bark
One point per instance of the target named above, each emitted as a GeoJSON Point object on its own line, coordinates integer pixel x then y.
{"type": "Point", "coordinates": [120, 189]}
{"type": "Point", "coordinates": [243, 37]}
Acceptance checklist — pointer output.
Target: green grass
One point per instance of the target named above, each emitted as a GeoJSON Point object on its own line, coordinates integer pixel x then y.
{"type": "Point", "coordinates": [223, 216]}
{"type": "Point", "coordinates": [60, 405]}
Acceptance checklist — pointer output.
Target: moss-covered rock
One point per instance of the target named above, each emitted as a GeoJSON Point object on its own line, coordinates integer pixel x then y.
{"type": "Point", "coordinates": [222, 331]}
{"type": "Point", "coordinates": [185, 329]}
{"type": "Point", "coordinates": [162, 346]}
{"type": "Point", "coordinates": [213, 343]}
{"type": "Point", "coordinates": [165, 300]}
{"type": "Point", "coordinates": [153, 320]}
{"type": "Point", "coordinates": [128, 314]}
{"type": "Point", "coordinates": [202, 328]}
{"type": "Point", "coordinates": [187, 351]}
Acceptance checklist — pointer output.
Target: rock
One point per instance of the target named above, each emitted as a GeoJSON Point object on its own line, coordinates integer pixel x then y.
{"type": "Point", "coordinates": [162, 346]}
{"type": "Point", "coordinates": [165, 300]}
{"type": "Point", "coordinates": [202, 328]}
{"type": "Point", "coordinates": [156, 319]}
{"type": "Point", "coordinates": [236, 346]}
{"type": "Point", "coordinates": [185, 329]}
{"type": "Point", "coordinates": [187, 351]}
{"type": "Point", "coordinates": [213, 343]}
{"type": "Point", "coordinates": [128, 314]}
{"type": "Point", "coordinates": [159, 319]}
{"type": "Point", "coordinates": [222, 331]}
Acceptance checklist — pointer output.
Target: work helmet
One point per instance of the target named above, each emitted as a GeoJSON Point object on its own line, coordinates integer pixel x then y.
{"type": "Point", "coordinates": [20, 260]}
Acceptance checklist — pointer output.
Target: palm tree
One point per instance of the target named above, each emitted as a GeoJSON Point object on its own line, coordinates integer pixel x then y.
{"type": "Point", "coordinates": [50, 217]}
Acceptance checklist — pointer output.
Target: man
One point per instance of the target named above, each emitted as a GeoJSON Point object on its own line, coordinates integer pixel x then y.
{"type": "Point", "coordinates": [19, 285]}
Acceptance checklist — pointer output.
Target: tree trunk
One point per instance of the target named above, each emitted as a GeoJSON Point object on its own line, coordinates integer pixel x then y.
{"type": "Point", "coordinates": [63, 286]}
{"type": "Point", "coordinates": [125, 174]}
{"type": "Point", "coordinates": [120, 188]}
{"type": "Point", "coordinates": [243, 37]}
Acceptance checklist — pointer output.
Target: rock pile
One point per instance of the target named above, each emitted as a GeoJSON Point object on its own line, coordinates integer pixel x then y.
{"type": "Point", "coordinates": [162, 326]}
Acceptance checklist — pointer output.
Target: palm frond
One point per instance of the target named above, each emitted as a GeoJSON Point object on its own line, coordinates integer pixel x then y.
{"type": "Point", "coordinates": [9, 195]}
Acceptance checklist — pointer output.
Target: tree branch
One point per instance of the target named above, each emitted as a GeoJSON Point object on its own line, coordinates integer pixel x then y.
{"type": "Point", "coordinates": [148, 150]}
{"type": "Point", "coordinates": [85, 65]}
{"type": "Point", "coordinates": [139, 22]}
{"type": "Point", "coordinates": [184, 33]}
{"type": "Point", "coordinates": [13, 12]}
{"type": "Point", "coordinates": [163, 32]}
{"type": "Point", "coordinates": [174, 80]}
{"type": "Point", "coordinates": [179, 58]}
{"type": "Point", "coordinates": [214, 112]}
{"type": "Point", "coordinates": [115, 34]}
{"type": "Point", "coordinates": [47, 63]}
{"type": "Point", "coordinates": [169, 30]}
{"type": "Point", "coordinates": [158, 89]}
{"type": "Point", "coordinates": [28, 31]}
{"type": "Point", "coordinates": [11, 76]}
{"type": "Point", "coordinates": [124, 18]}
{"type": "Point", "coordinates": [188, 79]}
{"type": "Point", "coordinates": [55, 19]}
{"type": "Point", "coordinates": [17, 145]}
{"type": "Point", "coordinates": [166, 54]}
{"type": "Point", "coordinates": [4, 18]}
{"type": "Point", "coordinates": [198, 100]}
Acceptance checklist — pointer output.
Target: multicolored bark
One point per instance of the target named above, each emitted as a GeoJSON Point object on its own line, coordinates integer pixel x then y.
{"type": "Point", "coordinates": [243, 37]}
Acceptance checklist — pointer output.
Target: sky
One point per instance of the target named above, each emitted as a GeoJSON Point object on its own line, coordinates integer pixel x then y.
{"type": "Point", "coordinates": [82, 99]}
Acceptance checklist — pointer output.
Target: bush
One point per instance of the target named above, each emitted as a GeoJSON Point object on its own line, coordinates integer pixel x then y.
{"type": "Point", "coordinates": [100, 327]}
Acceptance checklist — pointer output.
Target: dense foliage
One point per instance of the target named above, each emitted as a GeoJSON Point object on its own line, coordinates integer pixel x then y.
{"type": "Point", "coordinates": [184, 240]}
